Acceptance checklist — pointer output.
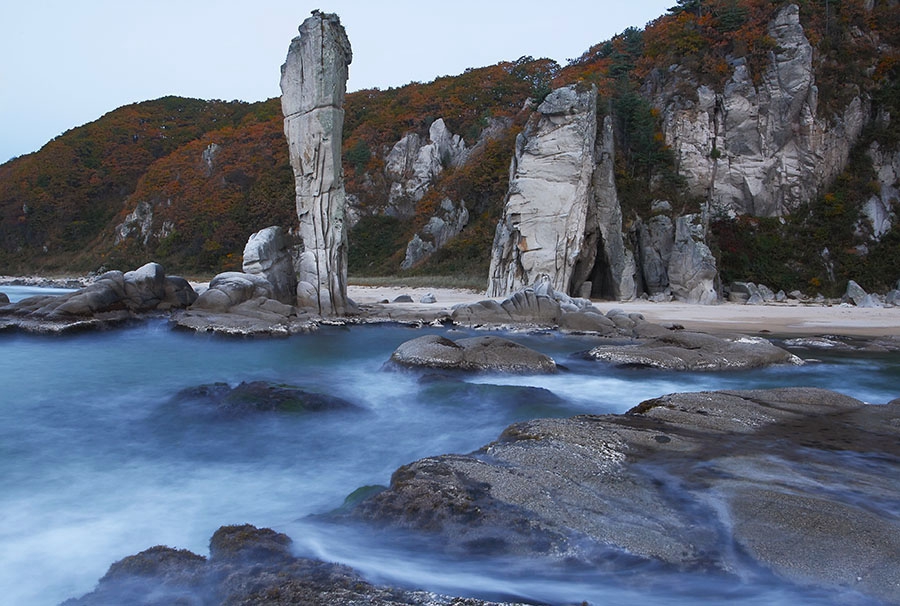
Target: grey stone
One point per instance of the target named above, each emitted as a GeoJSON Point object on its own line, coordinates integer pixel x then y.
{"type": "Point", "coordinates": [683, 350]}
{"type": "Point", "coordinates": [268, 254]}
{"type": "Point", "coordinates": [855, 293]}
{"type": "Point", "coordinates": [488, 353]}
{"type": "Point", "coordinates": [402, 299]}
{"type": "Point", "coordinates": [677, 480]}
{"type": "Point", "coordinates": [542, 229]}
{"type": "Point", "coordinates": [692, 266]}
{"type": "Point", "coordinates": [4, 298]}
{"type": "Point", "coordinates": [313, 83]}
{"type": "Point", "coordinates": [428, 298]}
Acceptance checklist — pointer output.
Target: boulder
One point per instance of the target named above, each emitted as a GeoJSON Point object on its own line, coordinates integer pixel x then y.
{"type": "Point", "coordinates": [232, 288]}
{"type": "Point", "coordinates": [112, 298]}
{"type": "Point", "coordinates": [428, 299]}
{"type": "Point", "coordinates": [487, 354]}
{"type": "Point", "coordinates": [4, 298]}
{"type": "Point", "coordinates": [145, 287]}
{"type": "Point", "coordinates": [247, 565]}
{"type": "Point", "coordinates": [683, 350]}
{"type": "Point", "coordinates": [692, 266]}
{"type": "Point", "coordinates": [855, 293]}
{"type": "Point", "coordinates": [259, 396]}
{"type": "Point", "coordinates": [679, 481]}
{"type": "Point", "coordinates": [268, 254]}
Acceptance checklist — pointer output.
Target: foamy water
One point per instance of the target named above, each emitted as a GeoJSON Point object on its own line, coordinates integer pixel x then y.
{"type": "Point", "coordinates": [97, 462]}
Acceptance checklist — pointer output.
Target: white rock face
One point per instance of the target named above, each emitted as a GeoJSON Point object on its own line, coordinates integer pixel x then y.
{"type": "Point", "coordinates": [449, 220]}
{"type": "Point", "coordinates": [542, 229]}
{"type": "Point", "coordinates": [313, 83]}
{"type": "Point", "coordinates": [879, 209]}
{"type": "Point", "coordinates": [760, 150]}
{"type": "Point", "coordinates": [413, 166]}
{"type": "Point", "coordinates": [692, 267]}
{"type": "Point", "coordinates": [267, 254]}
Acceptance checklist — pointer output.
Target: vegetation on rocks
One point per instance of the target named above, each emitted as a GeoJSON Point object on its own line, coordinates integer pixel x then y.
{"type": "Point", "coordinates": [184, 182]}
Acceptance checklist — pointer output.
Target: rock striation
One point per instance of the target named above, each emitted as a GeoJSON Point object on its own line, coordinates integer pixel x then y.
{"type": "Point", "coordinates": [679, 482]}
{"type": "Point", "coordinates": [486, 353]}
{"type": "Point", "coordinates": [313, 84]}
{"type": "Point", "coordinates": [542, 229]}
{"type": "Point", "coordinates": [268, 254]}
{"type": "Point", "coordinates": [759, 149]}
{"type": "Point", "coordinates": [114, 297]}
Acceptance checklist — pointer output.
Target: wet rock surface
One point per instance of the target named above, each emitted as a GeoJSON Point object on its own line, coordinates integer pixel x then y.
{"type": "Point", "coordinates": [487, 354]}
{"type": "Point", "coordinates": [260, 396]}
{"type": "Point", "coordinates": [247, 566]}
{"type": "Point", "coordinates": [738, 483]}
{"type": "Point", "coordinates": [683, 350]}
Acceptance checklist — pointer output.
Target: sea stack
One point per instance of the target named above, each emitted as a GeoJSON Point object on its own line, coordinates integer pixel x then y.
{"type": "Point", "coordinates": [313, 83]}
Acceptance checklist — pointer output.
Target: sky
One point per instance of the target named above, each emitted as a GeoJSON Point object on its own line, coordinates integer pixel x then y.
{"type": "Point", "coordinates": [68, 62]}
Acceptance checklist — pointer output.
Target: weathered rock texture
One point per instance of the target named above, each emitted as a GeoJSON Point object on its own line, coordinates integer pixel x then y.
{"type": "Point", "coordinates": [313, 83]}
{"type": "Point", "coordinates": [542, 230]}
{"type": "Point", "coordinates": [268, 254]}
{"type": "Point", "coordinates": [562, 218]}
{"type": "Point", "coordinates": [758, 149]}
{"type": "Point", "coordinates": [880, 210]}
{"type": "Point", "coordinates": [684, 481]}
{"type": "Point", "coordinates": [246, 565]}
{"type": "Point", "coordinates": [112, 298]}
{"type": "Point", "coordinates": [487, 353]}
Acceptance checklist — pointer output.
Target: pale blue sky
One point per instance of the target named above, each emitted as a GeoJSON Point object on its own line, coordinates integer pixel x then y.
{"type": "Point", "coordinates": [67, 62]}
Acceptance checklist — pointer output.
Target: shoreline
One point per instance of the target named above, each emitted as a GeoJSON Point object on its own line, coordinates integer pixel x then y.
{"type": "Point", "coordinates": [783, 319]}
{"type": "Point", "coordinates": [786, 319]}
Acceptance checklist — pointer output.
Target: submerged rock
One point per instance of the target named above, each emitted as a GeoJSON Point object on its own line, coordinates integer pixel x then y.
{"type": "Point", "coordinates": [682, 350]}
{"type": "Point", "coordinates": [246, 565]}
{"type": "Point", "coordinates": [685, 480]}
{"type": "Point", "coordinates": [261, 396]}
{"type": "Point", "coordinates": [488, 353]}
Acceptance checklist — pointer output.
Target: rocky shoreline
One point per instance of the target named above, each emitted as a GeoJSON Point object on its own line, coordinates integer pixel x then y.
{"type": "Point", "coordinates": [683, 482]}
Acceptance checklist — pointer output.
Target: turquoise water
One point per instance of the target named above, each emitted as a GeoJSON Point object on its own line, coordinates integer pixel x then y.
{"type": "Point", "coordinates": [97, 462]}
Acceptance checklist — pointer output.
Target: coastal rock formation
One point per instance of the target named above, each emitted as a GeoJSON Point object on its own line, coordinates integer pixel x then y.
{"type": "Point", "coordinates": [691, 270]}
{"type": "Point", "coordinates": [112, 298]}
{"type": "Point", "coordinates": [683, 481]}
{"type": "Point", "coordinates": [246, 565]}
{"type": "Point", "coordinates": [542, 230]}
{"type": "Point", "coordinates": [313, 83]}
{"type": "Point", "coordinates": [488, 353]}
{"type": "Point", "coordinates": [758, 149]}
{"type": "Point", "coordinates": [682, 350]}
{"type": "Point", "coordinates": [268, 254]}
{"type": "Point", "coordinates": [259, 396]}
{"type": "Point", "coordinates": [243, 304]}
{"type": "Point", "coordinates": [878, 212]}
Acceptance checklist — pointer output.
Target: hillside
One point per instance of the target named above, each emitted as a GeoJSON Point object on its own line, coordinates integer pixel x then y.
{"type": "Point", "coordinates": [184, 181]}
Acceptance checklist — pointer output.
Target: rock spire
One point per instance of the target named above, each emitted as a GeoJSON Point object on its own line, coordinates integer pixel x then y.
{"type": "Point", "coordinates": [313, 83]}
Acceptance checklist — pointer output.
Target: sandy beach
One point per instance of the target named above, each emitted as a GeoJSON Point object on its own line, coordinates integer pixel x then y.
{"type": "Point", "coordinates": [777, 318]}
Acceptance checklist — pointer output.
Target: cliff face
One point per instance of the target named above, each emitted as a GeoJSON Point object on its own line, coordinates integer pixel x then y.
{"type": "Point", "coordinates": [760, 149]}
{"type": "Point", "coordinates": [542, 230]}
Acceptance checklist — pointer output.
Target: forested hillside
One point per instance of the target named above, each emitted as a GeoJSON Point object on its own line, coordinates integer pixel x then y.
{"type": "Point", "coordinates": [185, 182]}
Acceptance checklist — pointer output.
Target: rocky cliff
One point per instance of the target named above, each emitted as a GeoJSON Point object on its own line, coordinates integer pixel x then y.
{"type": "Point", "coordinates": [760, 145]}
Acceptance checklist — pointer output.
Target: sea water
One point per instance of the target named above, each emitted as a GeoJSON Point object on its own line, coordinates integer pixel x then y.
{"type": "Point", "coordinates": [97, 461]}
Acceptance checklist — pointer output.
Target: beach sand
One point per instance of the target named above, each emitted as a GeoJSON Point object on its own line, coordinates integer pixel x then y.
{"type": "Point", "coordinates": [785, 319]}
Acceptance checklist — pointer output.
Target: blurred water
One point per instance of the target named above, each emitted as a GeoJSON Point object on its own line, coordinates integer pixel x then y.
{"type": "Point", "coordinates": [97, 462]}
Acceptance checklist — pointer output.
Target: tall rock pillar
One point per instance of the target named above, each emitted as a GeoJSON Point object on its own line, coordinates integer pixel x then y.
{"type": "Point", "coordinates": [542, 228]}
{"type": "Point", "coordinates": [313, 83]}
